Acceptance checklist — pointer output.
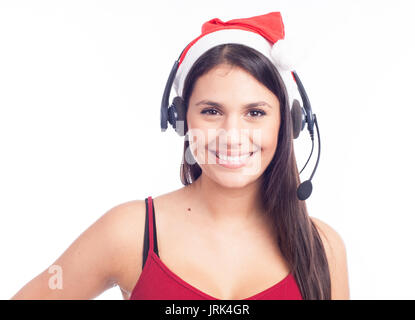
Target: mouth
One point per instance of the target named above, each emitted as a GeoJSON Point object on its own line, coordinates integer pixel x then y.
{"type": "Point", "coordinates": [233, 162]}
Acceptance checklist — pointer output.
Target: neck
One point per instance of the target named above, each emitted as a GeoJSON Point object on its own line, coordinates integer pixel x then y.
{"type": "Point", "coordinates": [223, 205]}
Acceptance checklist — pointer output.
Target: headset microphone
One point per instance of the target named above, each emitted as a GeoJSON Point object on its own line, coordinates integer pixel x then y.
{"type": "Point", "coordinates": [305, 188]}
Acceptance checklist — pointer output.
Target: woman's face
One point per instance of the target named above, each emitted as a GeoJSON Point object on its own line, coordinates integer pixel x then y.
{"type": "Point", "coordinates": [231, 113]}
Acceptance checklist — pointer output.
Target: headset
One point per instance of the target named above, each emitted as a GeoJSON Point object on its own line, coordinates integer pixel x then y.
{"type": "Point", "coordinates": [175, 114]}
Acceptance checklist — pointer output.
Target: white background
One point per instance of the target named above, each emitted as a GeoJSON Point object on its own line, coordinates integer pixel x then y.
{"type": "Point", "coordinates": [80, 91]}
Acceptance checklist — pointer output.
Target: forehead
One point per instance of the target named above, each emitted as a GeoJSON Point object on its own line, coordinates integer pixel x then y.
{"type": "Point", "coordinates": [226, 81]}
{"type": "Point", "coordinates": [226, 73]}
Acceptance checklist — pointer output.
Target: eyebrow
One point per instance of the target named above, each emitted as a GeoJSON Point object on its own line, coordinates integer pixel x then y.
{"type": "Point", "coordinates": [248, 105]}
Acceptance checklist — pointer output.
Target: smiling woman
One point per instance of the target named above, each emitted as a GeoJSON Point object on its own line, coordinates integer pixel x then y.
{"type": "Point", "coordinates": [234, 75]}
{"type": "Point", "coordinates": [251, 236]}
{"type": "Point", "coordinates": [236, 229]}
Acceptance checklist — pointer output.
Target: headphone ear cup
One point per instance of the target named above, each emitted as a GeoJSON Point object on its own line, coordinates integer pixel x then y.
{"type": "Point", "coordinates": [297, 118]}
{"type": "Point", "coordinates": [172, 115]}
{"type": "Point", "coordinates": [180, 109]}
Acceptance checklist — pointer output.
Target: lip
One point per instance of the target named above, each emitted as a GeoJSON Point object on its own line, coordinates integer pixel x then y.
{"type": "Point", "coordinates": [231, 164]}
{"type": "Point", "coordinates": [232, 153]}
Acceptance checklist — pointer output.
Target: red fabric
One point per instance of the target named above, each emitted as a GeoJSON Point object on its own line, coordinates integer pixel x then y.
{"type": "Point", "coordinates": [158, 282]}
{"type": "Point", "coordinates": [269, 25]}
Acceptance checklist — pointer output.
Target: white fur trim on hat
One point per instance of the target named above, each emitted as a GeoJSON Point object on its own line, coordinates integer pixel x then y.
{"type": "Point", "coordinates": [280, 54]}
{"type": "Point", "coordinates": [283, 55]}
{"type": "Point", "coordinates": [210, 40]}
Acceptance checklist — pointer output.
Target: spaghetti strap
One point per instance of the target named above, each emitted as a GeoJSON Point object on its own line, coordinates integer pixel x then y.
{"type": "Point", "coordinates": [151, 219]}
{"type": "Point", "coordinates": [150, 241]}
{"type": "Point", "coordinates": [150, 233]}
{"type": "Point", "coordinates": [152, 209]}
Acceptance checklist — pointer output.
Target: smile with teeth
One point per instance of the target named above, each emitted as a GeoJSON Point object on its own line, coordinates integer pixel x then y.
{"type": "Point", "coordinates": [232, 162]}
{"type": "Point", "coordinates": [237, 159]}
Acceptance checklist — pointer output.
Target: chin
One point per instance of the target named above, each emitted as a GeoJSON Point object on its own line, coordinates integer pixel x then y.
{"type": "Point", "coordinates": [231, 179]}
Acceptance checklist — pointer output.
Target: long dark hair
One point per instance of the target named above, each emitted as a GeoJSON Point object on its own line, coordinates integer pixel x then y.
{"type": "Point", "coordinates": [296, 234]}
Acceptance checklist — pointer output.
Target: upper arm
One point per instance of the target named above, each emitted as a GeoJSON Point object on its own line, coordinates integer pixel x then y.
{"type": "Point", "coordinates": [336, 255]}
{"type": "Point", "coordinates": [95, 261]}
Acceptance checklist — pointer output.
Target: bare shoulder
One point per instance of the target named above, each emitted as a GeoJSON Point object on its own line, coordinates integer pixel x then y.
{"type": "Point", "coordinates": [337, 259]}
{"type": "Point", "coordinates": [127, 220]}
{"type": "Point", "coordinates": [98, 259]}
{"type": "Point", "coordinates": [330, 237]}
{"type": "Point", "coordinates": [129, 229]}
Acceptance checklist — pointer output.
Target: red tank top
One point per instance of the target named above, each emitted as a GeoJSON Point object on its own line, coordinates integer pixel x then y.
{"type": "Point", "coordinates": [158, 282]}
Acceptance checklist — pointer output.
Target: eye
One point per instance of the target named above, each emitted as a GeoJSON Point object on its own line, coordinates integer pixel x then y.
{"type": "Point", "coordinates": [206, 111]}
{"type": "Point", "coordinates": [262, 113]}
{"type": "Point", "coordinates": [213, 112]}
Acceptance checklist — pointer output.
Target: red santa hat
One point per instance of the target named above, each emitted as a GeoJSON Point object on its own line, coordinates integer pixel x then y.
{"type": "Point", "coordinates": [265, 33]}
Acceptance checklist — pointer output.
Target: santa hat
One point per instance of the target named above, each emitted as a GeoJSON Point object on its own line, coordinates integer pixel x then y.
{"type": "Point", "coordinates": [265, 33]}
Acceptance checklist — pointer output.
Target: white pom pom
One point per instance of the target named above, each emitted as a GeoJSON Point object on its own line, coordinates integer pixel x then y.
{"type": "Point", "coordinates": [283, 55]}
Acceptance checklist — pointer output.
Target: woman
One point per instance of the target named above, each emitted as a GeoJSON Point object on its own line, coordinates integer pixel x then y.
{"type": "Point", "coordinates": [236, 230]}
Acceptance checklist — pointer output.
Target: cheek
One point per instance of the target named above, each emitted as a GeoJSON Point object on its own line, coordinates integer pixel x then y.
{"type": "Point", "coordinates": [198, 141]}
{"type": "Point", "coordinates": [271, 141]}
{"type": "Point", "coordinates": [193, 119]}
{"type": "Point", "coordinates": [269, 137]}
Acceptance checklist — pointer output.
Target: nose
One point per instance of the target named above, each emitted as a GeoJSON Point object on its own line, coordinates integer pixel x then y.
{"type": "Point", "coordinates": [232, 121]}
{"type": "Point", "coordinates": [233, 133]}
